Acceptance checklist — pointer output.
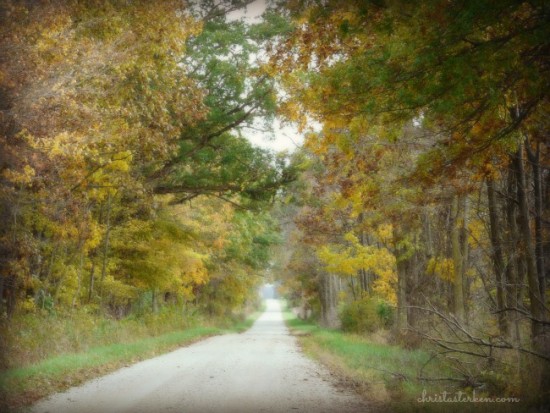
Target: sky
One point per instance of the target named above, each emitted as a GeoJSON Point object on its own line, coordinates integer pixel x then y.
{"type": "Point", "coordinates": [285, 137]}
{"type": "Point", "coordinates": [252, 12]}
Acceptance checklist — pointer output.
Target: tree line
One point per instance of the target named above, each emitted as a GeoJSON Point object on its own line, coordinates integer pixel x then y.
{"type": "Point", "coordinates": [421, 202]}
{"type": "Point", "coordinates": [124, 176]}
{"type": "Point", "coordinates": [427, 182]}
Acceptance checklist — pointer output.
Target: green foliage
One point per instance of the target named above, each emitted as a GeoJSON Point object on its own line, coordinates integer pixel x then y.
{"type": "Point", "coordinates": [94, 159]}
{"type": "Point", "coordinates": [385, 312]}
{"type": "Point", "coordinates": [366, 315]}
{"type": "Point", "coordinates": [227, 167]}
{"type": "Point", "coordinates": [359, 316]}
{"type": "Point", "coordinates": [213, 159]}
{"type": "Point", "coordinates": [420, 103]}
{"type": "Point", "coordinates": [452, 77]}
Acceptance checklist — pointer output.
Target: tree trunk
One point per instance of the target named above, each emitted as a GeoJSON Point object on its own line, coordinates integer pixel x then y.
{"type": "Point", "coordinates": [92, 280]}
{"type": "Point", "coordinates": [540, 337]}
{"type": "Point", "coordinates": [2, 279]}
{"type": "Point", "coordinates": [364, 278]}
{"type": "Point", "coordinates": [534, 160]}
{"type": "Point", "coordinates": [94, 254]}
{"type": "Point", "coordinates": [458, 278]}
{"type": "Point", "coordinates": [11, 289]}
{"type": "Point", "coordinates": [465, 251]}
{"type": "Point", "coordinates": [154, 300]}
{"type": "Point", "coordinates": [514, 261]}
{"type": "Point", "coordinates": [105, 245]}
{"type": "Point", "coordinates": [402, 264]}
{"type": "Point", "coordinates": [428, 235]}
{"type": "Point", "coordinates": [536, 304]}
{"type": "Point", "coordinates": [79, 275]}
{"type": "Point", "coordinates": [329, 300]}
{"type": "Point", "coordinates": [498, 260]}
{"type": "Point", "coordinates": [402, 269]}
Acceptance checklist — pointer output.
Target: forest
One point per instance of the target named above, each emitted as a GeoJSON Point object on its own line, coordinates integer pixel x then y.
{"type": "Point", "coordinates": [418, 204]}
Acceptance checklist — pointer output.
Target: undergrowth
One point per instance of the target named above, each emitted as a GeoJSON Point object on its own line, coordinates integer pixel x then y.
{"type": "Point", "coordinates": [52, 353]}
{"type": "Point", "coordinates": [389, 375]}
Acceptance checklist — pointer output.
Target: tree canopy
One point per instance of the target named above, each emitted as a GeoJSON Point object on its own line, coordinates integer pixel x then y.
{"type": "Point", "coordinates": [112, 114]}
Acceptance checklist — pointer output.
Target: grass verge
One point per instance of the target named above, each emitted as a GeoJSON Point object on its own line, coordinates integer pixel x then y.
{"type": "Point", "coordinates": [22, 386]}
{"type": "Point", "coordinates": [242, 326]}
{"type": "Point", "coordinates": [387, 375]}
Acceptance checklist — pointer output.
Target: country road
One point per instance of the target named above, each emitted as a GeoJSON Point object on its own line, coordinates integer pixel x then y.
{"type": "Point", "coordinates": [261, 370]}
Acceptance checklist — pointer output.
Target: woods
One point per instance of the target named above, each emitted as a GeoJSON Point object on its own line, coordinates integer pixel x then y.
{"type": "Point", "coordinates": [418, 205]}
{"type": "Point", "coordinates": [113, 115]}
{"type": "Point", "coordinates": [428, 183]}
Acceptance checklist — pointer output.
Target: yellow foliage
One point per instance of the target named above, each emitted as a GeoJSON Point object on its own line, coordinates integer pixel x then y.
{"type": "Point", "coordinates": [95, 235]}
{"type": "Point", "coordinates": [477, 234]}
{"type": "Point", "coordinates": [24, 177]}
{"type": "Point", "coordinates": [119, 165]}
{"type": "Point", "coordinates": [348, 261]}
{"type": "Point", "coordinates": [28, 305]}
{"type": "Point", "coordinates": [194, 269]}
{"type": "Point", "coordinates": [441, 267]}
{"type": "Point", "coordinates": [385, 285]}
{"type": "Point", "coordinates": [384, 232]}
{"type": "Point", "coordinates": [118, 289]}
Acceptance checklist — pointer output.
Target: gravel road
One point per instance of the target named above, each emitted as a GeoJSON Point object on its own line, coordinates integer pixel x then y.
{"type": "Point", "coordinates": [261, 370]}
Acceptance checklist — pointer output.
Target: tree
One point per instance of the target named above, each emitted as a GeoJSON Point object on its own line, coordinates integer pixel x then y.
{"type": "Point", "coordinates": [213, 158]}
{"type": "Point", "coordinates": [109, 108]}
{"type": "Point", "coordinates": [465, 97]}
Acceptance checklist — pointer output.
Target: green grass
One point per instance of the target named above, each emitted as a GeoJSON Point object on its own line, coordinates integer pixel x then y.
{"type": "Point", "coordinates": [387, 375]}
{"type": "Point", "coordinates": [23, 385]}
{"type": "Point", "coordinates": [67, 363]}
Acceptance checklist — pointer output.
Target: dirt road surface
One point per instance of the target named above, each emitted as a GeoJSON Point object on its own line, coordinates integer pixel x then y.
{"type": "Point", "coordinates": [261, 370]}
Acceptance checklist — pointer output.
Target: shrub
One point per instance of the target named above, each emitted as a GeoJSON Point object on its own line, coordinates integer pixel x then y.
{"type": "Point", "coordinates": [385, 312]}
{"type": "Point", "coordinates": [366, 315]}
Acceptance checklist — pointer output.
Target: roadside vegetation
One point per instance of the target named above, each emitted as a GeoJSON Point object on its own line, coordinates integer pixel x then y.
{"type": "Point", "coordinates": [64, 351]}
{"type": "Point", "coordinates": [134, 217]}
{"type": "Point", "coordinates": [390, 376]}
{"type": "Point", "coordinates": [424, 194]}
{"type": "Point", "coordinates": [415, 214]}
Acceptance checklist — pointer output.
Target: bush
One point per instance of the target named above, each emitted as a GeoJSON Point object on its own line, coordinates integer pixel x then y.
{"type": "Point", "coordinates": [366, 315]}
{"type": "Point", "coordinates": [385, 313]}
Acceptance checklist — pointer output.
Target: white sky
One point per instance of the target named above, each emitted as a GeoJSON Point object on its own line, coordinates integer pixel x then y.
{"type": "Point", "coordinates": [284, 137]}
{"type": "Point", "coordinates": [251, 13]}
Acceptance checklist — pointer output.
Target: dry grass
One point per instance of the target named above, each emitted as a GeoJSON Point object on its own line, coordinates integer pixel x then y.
{"type": "Point", "coordinates": [386, 375]}
{"type": "Point", "coordinates": [70, 354]}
